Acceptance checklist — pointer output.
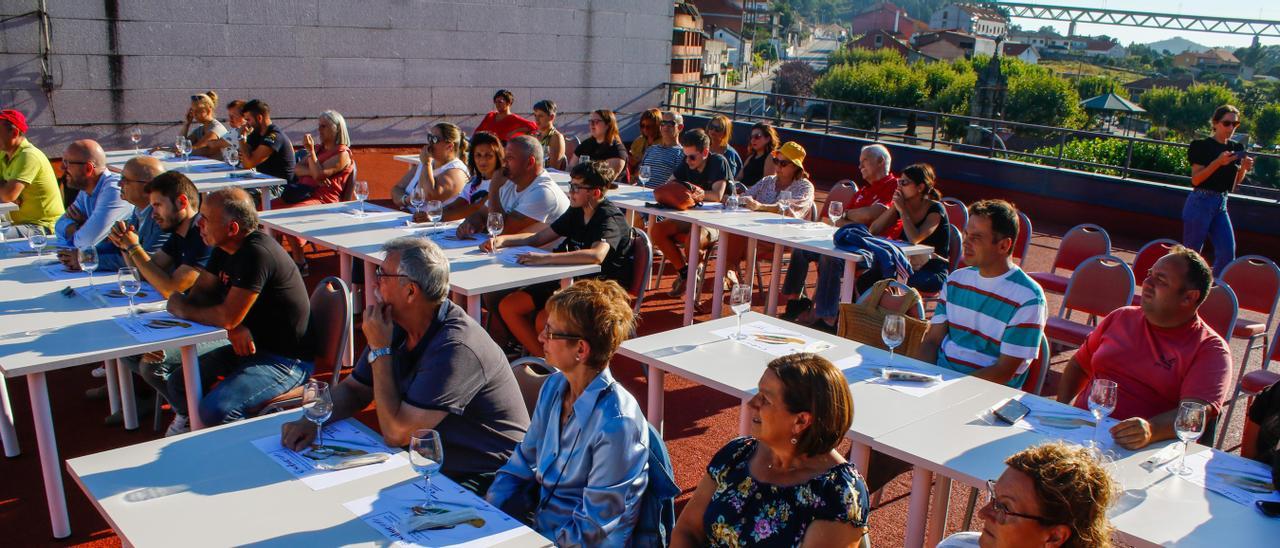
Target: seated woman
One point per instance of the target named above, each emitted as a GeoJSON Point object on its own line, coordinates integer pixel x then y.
{"type": "Point", "coordinates": [321, 173]}
{"type": "Point", "coordinates": [485, 160]}
{"type": "Point", "coordinates": [763, 196]}
{"type": "Point", "coordinates": [502, 122]}
{"type": "Point", "coordinates": [595, 232]}
{"type": "Point", "coordinates": [583, 465]}
{"type": "Point", "coordinates": [544, 112]}
{"type": "Point", "coordinates": [785, 484]}
{"type": "Point", "coordinates": [604, 144]}
{"type": "Point", "coordinates": [200, 127]}
{"type": "Point", "coordinates": [440, 172]}
{"type": "Point", "coordinates": [756, 166]}
{"type": "Point", "coordinates": [649, 134]}
{"type": "Point", "coordinates": [916, 203]}
{"type": "Point", "coordinates": [1050, 495]}
{"type": "Point", "coordinates": [720, 129]}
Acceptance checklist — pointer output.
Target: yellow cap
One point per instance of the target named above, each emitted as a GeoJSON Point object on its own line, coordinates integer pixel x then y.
{"type": "Point", "coordinates": [793, 152]}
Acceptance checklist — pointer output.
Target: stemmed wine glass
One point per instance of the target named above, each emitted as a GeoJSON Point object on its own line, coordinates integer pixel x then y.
{"type": "Point", "coordinates": [37, 241]}
{"type": "Point", "coordinates": [426, 455]}
{"type": "Point", "coordinates": [740, 303]}
{"type": "Point", "coordinates": [1102, 401]}
{"type": "Point", "coordinates": [893, 332]}
{"type": "Point", "coordinates": [435, 211]}
{"type": "Point", "coordinates": [784, 203]}
{"type": "Point", "coordinates": [89, 261]}
{"type": "Point", "coordinates": [417, 198]}
{"type": "Point", "coordinates": [495, 228]}
{"type": "Point", "coordinates": [318, 407]}
{"type": "Point", "coordinates": [135, 136]}
{"type": "Point", "coordinates": [835, 210]}
{"type": "Point", "coordinates": [184, 148]}
{"type": "Point", "coordinates": [130, 284]}
{"type": "Point", "coordinates": [797, 209]}
{"type": "Point", "coordinates": [1189, 425]}
{"type": "Point", "coordinates": [362, 194]}
{"type": "Point", "coordinates": [645, 173]}
{"type": "Point", "coordinates": [232, 155]}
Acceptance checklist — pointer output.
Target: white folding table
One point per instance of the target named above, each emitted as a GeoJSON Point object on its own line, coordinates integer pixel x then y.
{"type": "Point", "coordinates": [209, 175]}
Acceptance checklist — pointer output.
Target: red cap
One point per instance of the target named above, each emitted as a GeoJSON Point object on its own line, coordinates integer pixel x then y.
{"type": "Point", "coordinates": [14, 117]}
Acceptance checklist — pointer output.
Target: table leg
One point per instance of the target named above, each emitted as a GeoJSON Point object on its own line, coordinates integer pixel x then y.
{"type": "Point", "coordinates": [717, 287]}
{"type": "Point", "coordinates": [860, 456]}
{"type": "Point", "coordinates": [473, 307]}
{"type": "Point", "coordinates": [266, 206]}
{"type": "Point", "coordinates": [775, 281]}
{"type": "Point", "coordinates": [848, 282]}
{"type": "Point", "coordinates": [656, 396]}
{"type": "Point", "coordinates": [8, 435]}
{"type": "Point", "coordinates": [938, 510]}
{"type": "Point", "coordinates": [744, 419]}
{"type": "Point", "coordinates": [191, 379]}
{"type": "Point", "coordinates": [113, 386]}
{"type": "Point", "coordinates": [692, 281]}
{"type": "Point", "coordinates": [38, 386]}
{"type": "Point", "coordinates": [749, 274]}
{"type": "Point", "coordinates": [918, 508]}
{"type": "Point", "coordinates": [128, 401]}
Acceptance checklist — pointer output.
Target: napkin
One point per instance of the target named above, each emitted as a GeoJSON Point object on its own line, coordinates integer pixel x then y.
{"type": "Point", "coordinates": [438, 518]}
{"type": "Point", "coordinates": [1162, 457]}
{"type": "Point", "coordinates": [343, 463]}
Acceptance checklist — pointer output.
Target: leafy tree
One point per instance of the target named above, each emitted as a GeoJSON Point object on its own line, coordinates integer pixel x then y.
{"type": "Point", "coordinates": [1151, 157]}
{"type": "Point", "coordinates": [853, 56]}
{"type": "Point", "coordinates": [1160, 104]}
{"type": "Point", "coordinates": [1196, 106]}
{"type": "Point", "coordinates": [793, 78]}
{"type": "Point", "coordinates": [1093, 86]}
{"type": "Point", "coordinates": [1266, 125]}
{"type": "Point", "coordinates": [1041, 98]}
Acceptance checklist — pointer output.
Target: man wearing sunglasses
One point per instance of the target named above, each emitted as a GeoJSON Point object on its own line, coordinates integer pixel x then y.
{"type": "Point", "coordinates": [1218, 165]}
{"type": "Point", "coordinates": [701, 168]}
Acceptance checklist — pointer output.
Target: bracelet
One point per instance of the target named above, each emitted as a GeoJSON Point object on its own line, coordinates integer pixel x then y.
{"type": "Point", "coordinates": [133, 247]}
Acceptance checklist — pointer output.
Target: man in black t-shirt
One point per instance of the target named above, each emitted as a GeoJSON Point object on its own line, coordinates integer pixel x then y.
{"type": "Point", "coordinates": [251, 288]}
{"type": "Point", "coordinates": [595, 232]}
{"type": "Point", "coordinates": [265, 146]}
{"type": "Point", "coordinates": [701, 168]}
{"type": "Point", "coordinates": [1218, 165]}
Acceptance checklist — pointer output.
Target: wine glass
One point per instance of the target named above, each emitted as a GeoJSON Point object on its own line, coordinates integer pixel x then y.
{"type": "Point", "coordinates": [645, 174]}
{"type": "Point", "coordinates": [435, 212]}
{"type": "Point", "coordinates": [130, 284]}
{"type": "Point", "coordinates": [893, 332]}
{"type": "Point", "coordinates": [89, 261]}
{"type": "Point", "coordinates": [184, 148]}
{"type": "Point", "coordinates": [362, 194]}
{"type": "Point", "coordinates": [731, 202]}
{"type": "Point", "coordinates": [426, 455]}
{"type": "Point", "coordinates": [417, 198]}
{"type": "Point", "coordinates": [835, 210]}
{"type": "Point", "coordinates": [495, 228]}
{"type": "Point", "coordinates": [740, 303]}
{"type": "Point", "coordinates": [135, 136]}
{"type": "Point", "coordinates": [1102, 401]}
{"type": "Point", "coordinates": [1189, 425]}
{"type": "Point", "coordinates": [37, 241]}
{"type": "Point", "coordinates": [317, 406]}
{"type": "Point", "coordinates": [784, 203]}
{"type": "Point", "coordinates": [232, 154]}
{"type": "Point", "coordinates": [797, 208]}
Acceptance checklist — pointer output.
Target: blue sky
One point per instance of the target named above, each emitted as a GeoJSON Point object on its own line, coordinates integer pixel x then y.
{"type": "Point", "coordinates": [1250, 9]}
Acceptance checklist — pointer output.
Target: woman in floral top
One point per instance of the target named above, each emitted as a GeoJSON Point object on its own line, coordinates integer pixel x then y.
{"type": "Point", "coordinates": [785, 484]}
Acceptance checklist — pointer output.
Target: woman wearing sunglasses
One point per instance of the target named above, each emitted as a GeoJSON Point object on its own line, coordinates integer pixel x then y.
{"type": "Point", "coordinates": [441, 170]}
{"type": "Point", "coordinates": [1218, 165]}
{"type": "Point", "coordinates": [1051, 495]}
{"type": "Point", "coordinates": [764, 140]}
{"type": "Point", "coordinates": [789, 177]}
{"type": "Point", "coordinates": [720, 129]}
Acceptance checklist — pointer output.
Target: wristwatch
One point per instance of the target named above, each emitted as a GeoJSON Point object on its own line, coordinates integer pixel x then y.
{"type": "Point", "coordinates": [375, 353]}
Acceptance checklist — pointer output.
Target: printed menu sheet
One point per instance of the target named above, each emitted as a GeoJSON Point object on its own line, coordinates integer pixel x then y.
{"type": "Point", "coordinates": [1064, 422]}
{"type": "Point", "coordinates": [869, 370]}
{"type": "Point", "coordinates": [346, 438]}
{"type": "Point", "coordinates": [388, 510]}
{"type": "Point", "coordinates": [159, 326]}
{"type": "Point", "coordinates": [1239, 479]}
{"type": "Point", "coordinates": [772, 339]}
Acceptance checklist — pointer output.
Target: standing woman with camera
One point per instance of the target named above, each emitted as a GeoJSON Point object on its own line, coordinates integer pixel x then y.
{"type": "Point", "coordinates": [1218, 164]}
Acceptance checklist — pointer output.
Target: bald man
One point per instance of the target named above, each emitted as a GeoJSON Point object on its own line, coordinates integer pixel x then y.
{"type": "Point", "coordinates": [135, 176]}
{"type": "Point", "coordinates": [99, 204]}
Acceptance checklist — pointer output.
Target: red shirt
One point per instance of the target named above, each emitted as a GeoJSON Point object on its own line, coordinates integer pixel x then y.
{"type": "Point", "coordinates": [879, 192]}
{"type": "Point", "coordinates": [1155, 367]}
{"type": "Point", "coordinates": [511, 126]}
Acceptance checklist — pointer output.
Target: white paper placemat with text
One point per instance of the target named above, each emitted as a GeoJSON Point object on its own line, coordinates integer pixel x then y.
{"type": "Point", "coordinates": [385, 511]}
{"type": "Point", "coordinates": [338, 434]}
{"type": "Point", "coordinates": [773, 340]}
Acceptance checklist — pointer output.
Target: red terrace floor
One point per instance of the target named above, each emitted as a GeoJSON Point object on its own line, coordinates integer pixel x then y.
{"type": "Point", "coordinates": [699, 420]}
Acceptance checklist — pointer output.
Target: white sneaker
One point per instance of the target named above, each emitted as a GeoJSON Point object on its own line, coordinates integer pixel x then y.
{"type": "Point", "coordinates": [180, 425]}
{"type": "Point", "coordinates": [99, 373]}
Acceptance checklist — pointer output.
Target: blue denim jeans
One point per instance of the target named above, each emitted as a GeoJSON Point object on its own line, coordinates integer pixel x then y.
{"type": "Point", "coordinates": [1205, 215]}
{"type": "Point", "coordinates": [826, 298]}
{"type": "Point", "coordinates": [248, 382]}
{"type": "Point", "coordinates": [156, 374]}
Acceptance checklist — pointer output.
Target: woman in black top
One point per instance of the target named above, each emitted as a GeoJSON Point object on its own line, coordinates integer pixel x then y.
{"type": "Point", "coordinates": [604, 144]}
{"type": "Point", "coordinates": [1218, 164]}
{"type": "Point", "coordinates": [595, 232]}
{"type": "Point", "coordinates": [756, 166]}
{"type": "Point", "coordinates": [924, 221]}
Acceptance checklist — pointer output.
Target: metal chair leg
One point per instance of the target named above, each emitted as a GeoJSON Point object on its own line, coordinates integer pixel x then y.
{"type": "Point", "coordinates": [969, 509]}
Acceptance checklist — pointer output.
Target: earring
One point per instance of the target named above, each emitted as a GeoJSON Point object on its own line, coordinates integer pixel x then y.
{"type": "Point", "coordinates": [793, 441]}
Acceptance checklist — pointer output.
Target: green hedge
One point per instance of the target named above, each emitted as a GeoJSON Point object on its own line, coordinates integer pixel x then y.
{"type": "Point", "coordinates": [1112, 152]}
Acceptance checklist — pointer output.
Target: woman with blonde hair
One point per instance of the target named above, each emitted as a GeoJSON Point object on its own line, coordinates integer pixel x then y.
{"type": "Point", "coordinates": [201, 127]}
{"type": "Point", "coordinates": [441, 171]}
{"type": "Point", "coordinates": [720, 129]}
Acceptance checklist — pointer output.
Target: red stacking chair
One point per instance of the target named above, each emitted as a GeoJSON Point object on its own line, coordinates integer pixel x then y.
{"type": "Point", "coordinates": [1146, 258]}
{"type": "Point", "coordinates": [642, 266]}
{"type": "Point", "coordinates": [1023, 244]}
{"type": "Point", "coordinates": [1256, 281]}
{"type": "Point", "coordinates": [1251, 384]}
{"type": "Point", "coordinates": [1220, 310]}
{"type": "Point", "coordinates": [1098, 286]}
{"type": "Point", "coordinates": [1080, 243]}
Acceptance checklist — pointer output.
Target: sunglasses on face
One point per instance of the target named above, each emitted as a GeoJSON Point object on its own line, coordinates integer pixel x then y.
{"type": "Point", "coordinates": [432, 139]}
{"type": "Point", "coordinates": [715, 127]}
{"type": "Point", "coordinates": [781, 162]}
{"type": "Point", "coordinates": [668, 123]}
{"type": "Point", "coordinates": [1229, 123]}
{"type": "Point", "coordinates": [755, 136]}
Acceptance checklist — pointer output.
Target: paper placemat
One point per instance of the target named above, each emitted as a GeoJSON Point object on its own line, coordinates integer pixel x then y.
{"type": "Point", "coordinates": [385, 511]}
{"type": "Point", "coordinates": [868, 371]}
{"type": "Point", "coordinates": [773, 340]}
{"type": "Point", "coordinates": [354, 213]}
{"type": "Point", "coordinates": [1065, 422]}
{"type": "Point", "coordinates": [339, 434]}
{"type": "Point", "coordinates": [1239, 479]}
{"type": "Point", "coordinates": [152, 327]}
{"type": "Point", "coordinates": [106, 293]}
{"type": "Point", "coordinates": [511, 255]}
{"type": "Point", "coordinates": [57, 272]}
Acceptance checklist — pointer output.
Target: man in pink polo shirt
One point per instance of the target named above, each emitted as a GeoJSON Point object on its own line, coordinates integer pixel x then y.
{"type": "Point", "coordinates": [1159, 354]}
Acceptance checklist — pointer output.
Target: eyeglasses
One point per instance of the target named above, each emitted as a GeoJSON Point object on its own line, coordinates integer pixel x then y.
{"type": "Point", "coordinates": [669, 123]}
{"type": "Point", "coordinates": [715, 127]}
{"type": "Point", "coordinates": [582, 188]}
{"type": "Point", "coordinates": [594, 121]}
{"type": "Point", "coordinates": [693, 159]}
{"type": "Point", "coordinates": [552, 335]}
{"type": "Point", "coordinates": [379, 272]}
{"type": "Point", "coordinates": [755, 136]}
{"type": "Point", "coordinates": [1229, 123]}
{"type": "Point", "coordinates": [1002, 512]}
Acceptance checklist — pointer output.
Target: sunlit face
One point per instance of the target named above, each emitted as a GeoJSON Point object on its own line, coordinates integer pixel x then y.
{"type": "Point", "coordinates": [695, 158]}
{"type": "Point", "coordinates": [771, 421]}
{"type": "Point", "coordinates": [716, 131]}
{"type": "Point", "coordinates": [1227, 124]}
{"type": "Point", "coordinates": [132, 188]}
{"type": "Point", "coordinates": [167, 214]}
{"type": "Point", "coordinates": [870, 166]}
{"type": "Point", "coordinates": [235, 117]}
{"type": "Point", "coordinates": [8, 134]}
{"type": "Point", "coordinates": [910, 189]}
{"type": "Point", "coordinates": [485, 157]}
{"type": "Point", "coordinates": [501, 104]}
{"type": "Point", "coordinates": [543, 118]}
{"type": "Point", "coordinates": [1165, 289]}
{"type": "Point", "coordinates": [77, 168]}
{"type": "Point", "coordinates": [982, 245]}
{"type": "Point", "coordinates": [759, 141]}
{"type": "Point", "coordinates": [255, 121]}
{"type": "Point", "coordinates": [668, 127]}
{"type": "Point", "coordinates": [518, 164]}
{"type": "Point", "coordinates": [581, 195]}
{"type": "Point", "coordinates": [1016, 493]}
{"type": "Point", "coordinates": [328, 132]}
{"type": "Point", "coordinates": [598, 126]}
{"type": "Point", "coordinates": [563, 348]}
{"type": "Point", "coordinates": [201, 112]}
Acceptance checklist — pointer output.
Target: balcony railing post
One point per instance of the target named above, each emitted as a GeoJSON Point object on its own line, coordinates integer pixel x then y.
{"type": "Point", "coordinates": [1128, 160]}
{"type": "Point", "coordinates": [735, 104]}
{"type": "Point", "coordinates": [991, 149]}
{"type": "Point", "coordinates": [696, 91]}
{"type": "Point", "coordinates": [933, 142]}
{"type": "Point", "coordinates": [879, 112]}
{"type": "Point", "coordinates": [671, 90]}
{"type": "Point", "coordinates": [827, 128]}
{"type": "Point", "coordinates": [1062, 145]}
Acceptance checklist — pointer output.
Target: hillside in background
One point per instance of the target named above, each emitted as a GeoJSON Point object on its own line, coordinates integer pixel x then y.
{"type": "Point", "coordinates": [1177, 45]}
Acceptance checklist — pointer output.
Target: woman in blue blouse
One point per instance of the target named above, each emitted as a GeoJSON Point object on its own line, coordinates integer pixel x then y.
{"type": "Point", "coordinates": [785, 484]}
{"type": "Point", "coordinates": [582, 467]}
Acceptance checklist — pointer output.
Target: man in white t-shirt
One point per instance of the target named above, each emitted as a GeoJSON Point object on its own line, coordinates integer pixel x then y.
{"type": "Point", "coordinates": [527, 197]}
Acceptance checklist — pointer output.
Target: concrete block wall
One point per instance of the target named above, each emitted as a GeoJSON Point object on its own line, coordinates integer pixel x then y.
{"type": "Point", "coordinates": [390, 66]}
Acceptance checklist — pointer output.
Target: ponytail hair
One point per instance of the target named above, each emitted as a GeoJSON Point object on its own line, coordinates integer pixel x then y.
{"type": "Point", "coordinates": [452, 134]}
{"type": "Point", "coordinates": [208, 99]}
{"type": "Point", "coordinates": [922, 174]}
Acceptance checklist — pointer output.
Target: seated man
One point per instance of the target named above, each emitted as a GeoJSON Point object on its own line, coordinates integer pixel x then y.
{"type": "Point", "coordinates": [26, 179]}
{"type": "Point", "coordinates": [252, 289]}
{"type": "Point", "coordinates": [527, 197]}
{"type": "Point", "coordinates": [663, 157]}
{"type": "Point", "coordinates": [594, 231]}
{"type": "Point", "coordinates": [265, 146]}
{"type": "Point", "coordinates": [991, 315]}
{"type": "Point", "coordinates": [867, 204]}
{"type": "Point", "coordinates": [137, 173]}
{"type": "Point", "coordinates": [99, 204]}
{"type": "Point", "coordinates": [1159, 354]}
{"type": "Point", "coordinates": [429, 365]}
{"type": "Point", "coordinates": [701, 168]}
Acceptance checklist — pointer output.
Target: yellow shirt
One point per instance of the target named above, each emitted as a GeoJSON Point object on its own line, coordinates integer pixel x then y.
{"type": "Point", "coordinates": [40, 202]}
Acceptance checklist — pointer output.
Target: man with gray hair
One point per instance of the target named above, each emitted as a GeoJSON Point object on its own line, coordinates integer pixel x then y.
{"type": "Point", "coordinates": [99, 204]}
{"type": "Point", "coordinates": [251, 288]}
{"type": "Point", "coordinates": [429, 365]}
{"type": "Point", "coordinates": [137, 173]}
{"type": "Point", "coordinates": [526, 195]}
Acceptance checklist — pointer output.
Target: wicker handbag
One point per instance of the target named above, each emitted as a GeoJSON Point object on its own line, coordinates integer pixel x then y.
{"type": "Point", "coordinates": [862, 321]}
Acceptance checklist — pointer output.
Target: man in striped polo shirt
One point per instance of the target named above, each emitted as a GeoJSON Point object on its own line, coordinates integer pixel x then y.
{"type": "Point", "coordinates": [992, 314]}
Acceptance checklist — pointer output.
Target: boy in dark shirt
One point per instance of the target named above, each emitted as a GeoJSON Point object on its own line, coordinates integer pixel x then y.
{"type": "Point", "coordinates": [704, 169]}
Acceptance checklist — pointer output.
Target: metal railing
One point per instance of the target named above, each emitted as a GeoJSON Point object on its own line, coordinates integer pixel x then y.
{"type": "Point", "coordinates": [882, 123]}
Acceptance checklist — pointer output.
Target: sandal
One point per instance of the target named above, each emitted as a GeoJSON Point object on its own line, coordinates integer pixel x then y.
{"type": "Point", "coordinates": [796, 307]}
